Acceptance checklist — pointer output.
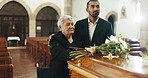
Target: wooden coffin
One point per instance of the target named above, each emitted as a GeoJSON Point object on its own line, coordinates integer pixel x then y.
{"type": "Point", "coordinates": [98, 67]}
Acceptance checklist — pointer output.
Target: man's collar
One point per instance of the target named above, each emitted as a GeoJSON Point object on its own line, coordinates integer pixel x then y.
{"type": "Point", "coordinates": [95, 21]}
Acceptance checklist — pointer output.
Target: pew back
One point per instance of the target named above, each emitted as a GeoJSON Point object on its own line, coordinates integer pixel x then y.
{"type": "Point", "coordinates": [6, 71]}
{"type": "Point", "coordinates": [4, 54]}
{"type": "Point", "coordinates": [39, 49]}
{"type": "Point", "coordinates": [5, 60]}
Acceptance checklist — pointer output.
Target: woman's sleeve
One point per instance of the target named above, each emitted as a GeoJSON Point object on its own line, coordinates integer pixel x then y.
{"type": "Point", "coordinates": [58, 52]}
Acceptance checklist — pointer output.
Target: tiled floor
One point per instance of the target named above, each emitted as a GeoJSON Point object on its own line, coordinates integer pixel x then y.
{"type": "Point", "coordinates": [24, 64]}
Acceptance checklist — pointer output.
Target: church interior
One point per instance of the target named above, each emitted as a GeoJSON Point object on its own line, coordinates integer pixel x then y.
{"type": "Point", "coordinates": [26, 26]}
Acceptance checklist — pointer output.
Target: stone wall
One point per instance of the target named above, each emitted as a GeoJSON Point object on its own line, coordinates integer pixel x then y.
{"type": "Point", "coordinates": [144, 24]}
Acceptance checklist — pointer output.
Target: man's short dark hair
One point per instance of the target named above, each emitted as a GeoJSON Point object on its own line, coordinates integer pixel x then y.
{"type": "Point", "coordinates": [90, 1]}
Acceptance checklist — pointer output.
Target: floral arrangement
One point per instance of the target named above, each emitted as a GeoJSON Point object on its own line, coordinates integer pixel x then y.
{"type": "Point", "coordinates": [114, 45]}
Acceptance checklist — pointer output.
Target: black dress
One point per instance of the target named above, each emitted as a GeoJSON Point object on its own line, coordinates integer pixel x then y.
{"type": "Point", "coordinates": [60, 48]}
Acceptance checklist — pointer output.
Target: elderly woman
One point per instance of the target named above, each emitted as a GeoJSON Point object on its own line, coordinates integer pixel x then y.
{"type": "Point", "coordinates": [60, 45]}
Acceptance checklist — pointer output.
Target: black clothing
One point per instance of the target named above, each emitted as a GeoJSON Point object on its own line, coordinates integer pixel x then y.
{"type": "Point", "coordinates": [102, 31]}
{"type": "Point", "coordinates": [60, 55]}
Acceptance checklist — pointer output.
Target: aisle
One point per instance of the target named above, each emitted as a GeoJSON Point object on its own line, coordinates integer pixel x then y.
{"type": "Point", "coordinates": [24, 65]}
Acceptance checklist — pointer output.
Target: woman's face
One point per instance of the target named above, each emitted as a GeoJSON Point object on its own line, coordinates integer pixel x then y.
{"type": "Point", "coordinates": [67, 27]}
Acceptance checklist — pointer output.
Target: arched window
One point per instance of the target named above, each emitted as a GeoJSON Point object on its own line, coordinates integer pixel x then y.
{"type": "Point", "coordinates": [14, 21]}
{"type": "Point", "coordinates": [46, 21]}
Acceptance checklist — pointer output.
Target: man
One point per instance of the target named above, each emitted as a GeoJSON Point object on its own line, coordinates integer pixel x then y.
{"type": "Point", "coordinates": [93, 30]}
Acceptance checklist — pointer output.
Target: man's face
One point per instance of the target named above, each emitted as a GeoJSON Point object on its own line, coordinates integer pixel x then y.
{"type": "Point", "coordinates": [67, 27]}
{"type": "Point", "coordinates": [93, 9]}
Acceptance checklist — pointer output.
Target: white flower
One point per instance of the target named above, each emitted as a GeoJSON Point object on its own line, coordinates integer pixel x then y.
{"type": "Point", "coordinates": [107, 41]}
{"type": "Point", "coordinates": [112, 38]}
{"type": "Point", "coordinates": [114, 45]}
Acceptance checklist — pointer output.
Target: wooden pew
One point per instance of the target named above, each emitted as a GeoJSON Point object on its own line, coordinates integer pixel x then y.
{"type": "Point", "coordinates": [6, 66]}
{"type": "Point", "coordinates": [30, 39]}
{"type": "Point", "coordinates": [5, 60]}
{"type": "Point", "coordinates": [41, 52]}
{"type": "Point", "coordinates": [39, 49]}
{"type": "Point", "coordinates": [36, 47]}
{"type": "Point", "coordinates": [4, 54]}
{"type": "Point", "coordinates": [3, 49]}
{"type": "Point", "coordinates": [3, 41]}
{"type": "Point", "coordinates": [43, 64]}
{"type": "Point", "coordinates": [6, 71]}
{"type": "Point", "coordinates": [3, 44]}
{"type": "Point", "coordinates": [45, 54]}
{"type": "Point", "coordinates": [33, 45]}
{"type": "Point", "coordinates": [48, 54]}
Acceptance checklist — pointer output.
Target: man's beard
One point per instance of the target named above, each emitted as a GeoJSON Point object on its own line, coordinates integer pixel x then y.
{"type": "Point", "coordinates": [94, 14]}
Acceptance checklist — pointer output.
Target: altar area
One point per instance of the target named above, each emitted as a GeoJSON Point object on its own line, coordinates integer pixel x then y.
{"type": "Point", "coordinates": [15, 39]}
{"type": "Point", "coordinates": [98, 67]}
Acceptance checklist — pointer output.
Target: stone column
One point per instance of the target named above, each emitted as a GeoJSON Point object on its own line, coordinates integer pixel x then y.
{"type": "Point", "coordinates": [144, 24]}
{"type": "Point", "coordinates": [32, 26]}
{"type": "Point", "coordinates": [68, 7]}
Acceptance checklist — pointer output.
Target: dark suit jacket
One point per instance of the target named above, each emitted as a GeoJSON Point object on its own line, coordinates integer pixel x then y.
{"type": "Point", "coordinates": [102, 31]}
{"type": "Point", "coordinates": [60, 55]}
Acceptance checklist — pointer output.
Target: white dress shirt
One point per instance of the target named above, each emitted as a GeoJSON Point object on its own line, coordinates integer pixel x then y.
{"type": "Point", "coordinates": [91, 28]}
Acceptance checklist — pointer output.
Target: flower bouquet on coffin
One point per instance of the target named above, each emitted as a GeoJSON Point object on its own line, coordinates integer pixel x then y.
{"type": "Point", "coordinates": [77, 54]}
{"type": "Point", "coordinates": [114, 47]}
{"type": "Point", "coordinates": [82, 52]}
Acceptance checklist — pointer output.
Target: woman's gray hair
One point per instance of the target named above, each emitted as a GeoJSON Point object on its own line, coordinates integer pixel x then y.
{"type": "Point", "coordinates": [63, 18]}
